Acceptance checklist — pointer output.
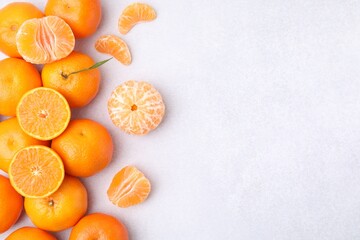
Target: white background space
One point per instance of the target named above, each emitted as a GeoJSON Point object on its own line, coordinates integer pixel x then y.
{"type": "Point", "coordinates": [261, 138]}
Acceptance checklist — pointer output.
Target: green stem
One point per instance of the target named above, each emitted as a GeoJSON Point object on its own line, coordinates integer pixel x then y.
{"type": "Point", "coordinates": [96, 65]}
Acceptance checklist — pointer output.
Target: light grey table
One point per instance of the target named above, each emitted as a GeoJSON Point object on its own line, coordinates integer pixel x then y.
{"type": "Point", "coordinates": [261, 139]}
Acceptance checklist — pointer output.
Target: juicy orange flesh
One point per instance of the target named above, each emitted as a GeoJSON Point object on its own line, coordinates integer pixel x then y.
{"type": "Point", "coordinates": [128, 187]}
{"type": "Point", "coordinates": [45, 40]}
{"type": "Point", "coordinates": [149, 107]}
{"type": "Point", "coordinates": [36, 171]}
{"type": "Point", "coordinates": [115, 46]}
{"type": "Point", "coordinates": [43, 113]}
{"type": "Point", "coordinates": [133, 14]}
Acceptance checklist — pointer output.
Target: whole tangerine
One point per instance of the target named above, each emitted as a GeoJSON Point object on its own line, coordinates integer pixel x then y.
{"type": "Point", "coordinates": [86, 147]}
{"type": "Point", "coordinates": [11, 204]}
{"type": "Point", "coordinates": [11, 18]}
{"type": "Point", "coordinates": [16, 78]}
{"type": "Point", "coordinates": [12, 139]}
{"type": "Point", "coordinates": [99, 226]}
{"type": "Point", "coordinates": [78, 89]}
{"type": "Point", "coordinates": [62, 209]}
{"type": "Point", "coordinates": [30, 233]}
{"type": "Point", "coordinates": [83, 16]}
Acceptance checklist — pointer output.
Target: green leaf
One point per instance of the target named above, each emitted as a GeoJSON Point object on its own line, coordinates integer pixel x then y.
{"type": "Point", "coordinates": [96, 65]}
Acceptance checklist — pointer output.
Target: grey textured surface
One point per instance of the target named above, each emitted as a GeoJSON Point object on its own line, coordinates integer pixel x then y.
{"type": "Point", "coordinates": [262, 134]}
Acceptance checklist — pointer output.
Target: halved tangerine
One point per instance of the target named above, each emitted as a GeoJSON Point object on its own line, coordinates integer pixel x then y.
{"type": "Point", "coordinates": [136, 107]}
{"type": "Point", "coordinates": [43, 113]}
{"type": "Point", "coordinates": [36, 171]}
{"type": "Point", "coordinates": [128, 187]}
{"type": "Point", "coordinates": [44, 40]}
{"type": "Point", "coordinates": [133, 14]}
{"type": "Point", "coordinates": [115, 46]}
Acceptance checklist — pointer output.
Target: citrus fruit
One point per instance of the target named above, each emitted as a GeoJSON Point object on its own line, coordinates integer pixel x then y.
{"type": "Point", "coordinates": [78, 89]}
{"type": "Point", "coordinates": [133, 14]}
{"type": "Point", "coordinates": [12, 139]}
{"type": "Point", "coordinates": [11, 18]}
{"type": "Point", "coordinates": [115, 46]}
{"type": "Point", "coordinates": [128, 187]}
{"type": "Point", "coordinates": [60, 210]}
{"type": "Point", "coordinates": [136, 107]}
{"type": "Point", "coordinates": [99, 226]}
{"type": "Point", "coordinates": [36, 171]}
{"type": "Point", "coordinates": [16, 78]}
{"type": "Point", "coordinates": [44, 40]}
{"type": "Point", "coordinates": [83, 16]}
{"type": "Point", "coordinates": [30, 233]}
{"type": "Point", "coordinates": [86, 147]}
{"type": "Point", "coordinates": [43, 113]}
{"type": "Point", "coordinates": [11, 204]}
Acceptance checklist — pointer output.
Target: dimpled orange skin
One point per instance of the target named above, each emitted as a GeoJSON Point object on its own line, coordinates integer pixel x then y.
{"type": "Point", "coordinates": [62, 209]}
{"type": "Point", "coordinates": [86, 147]}
{"type": "Point", "coordinates": [99, 226]}
{"type": "Point", "coordinates": [78, 89]}
{"type": "Point", "coordinates": [11, 204]}
{"type": "Point", "coordinates": [12, 139]}
{"type": "Point", "coordinates": [16, 78]}
{"type": "Point", "coordinates": [83, 16]}
{"type": "Point", "coordinates": [30, 233]}
{"type": "Point", "coordinates": [11, 18]}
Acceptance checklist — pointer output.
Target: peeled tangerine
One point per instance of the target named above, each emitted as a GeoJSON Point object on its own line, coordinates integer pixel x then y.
{"type": "Point", "coordinates": [136, 107]}
{"type": "Point", "coordinates": [44, 40]}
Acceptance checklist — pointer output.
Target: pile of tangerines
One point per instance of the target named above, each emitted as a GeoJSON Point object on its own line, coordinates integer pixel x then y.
{"type": "Point", "coordinates": [42, 149]}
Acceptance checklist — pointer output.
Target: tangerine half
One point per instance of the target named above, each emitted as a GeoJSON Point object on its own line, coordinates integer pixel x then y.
{"type": "Point", "coordinates": [43, 113]}
{"type": "Point", "coordinates": [36, 171]}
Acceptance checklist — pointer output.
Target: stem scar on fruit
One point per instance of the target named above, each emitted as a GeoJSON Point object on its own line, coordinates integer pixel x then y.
{"type": "Point", "coordinates": [96, 65]}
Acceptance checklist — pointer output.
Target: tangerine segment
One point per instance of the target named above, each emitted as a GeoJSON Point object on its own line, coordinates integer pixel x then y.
{"type": "Point", "coordinates": [128, 187]}
{"type": "Point", "coordinates": [115, 46]}
{"type": "Point", "coordinates": [44, 40]}
{"type": "Point", "coordinates": [43, 113]}
{"type": "Point", "coordinates": [36, 171]}
{"type": "Point", "coordinates": [133, 14]}
{"type": "Point", "coordinates": [136, 107]}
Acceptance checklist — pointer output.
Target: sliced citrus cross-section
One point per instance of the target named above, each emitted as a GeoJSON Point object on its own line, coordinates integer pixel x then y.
{"type": "Point", "coordinates": [44, 40]}
{"type": "Point", "coordinates": [133, 14]}
{"type": "Point", "coordinates": [115, 46]}
{"type": "Point", "coordinates": [36, 171]}
{"type": "Point", "coordinates": [136, 107]}
{"type": "Point", "coordinates": [43, 113]}
{"type": "Point", "coordinates": [128, 187]}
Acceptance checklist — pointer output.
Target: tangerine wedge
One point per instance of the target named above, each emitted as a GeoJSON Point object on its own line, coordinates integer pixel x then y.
{"type": "Point", "coordinates": [133, 14]}
{"type": "Point", "coordinates": [128, 187]}
{"type": "Point", "coordinates": [43, 113]}
{"type": "Point", "coordinates": [136, 107]}
{"type": "Point", "coordinates": [115, 46]}
{"type": "Point", "coordinates": [44, 40]}
{"type": "Point", "coordinates": [36, 171]}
